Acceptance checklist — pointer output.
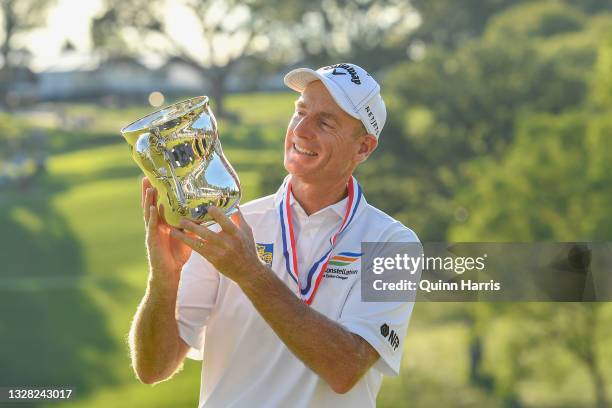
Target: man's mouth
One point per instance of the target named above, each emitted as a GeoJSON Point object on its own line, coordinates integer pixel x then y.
{"type": "Point", "coordinates": [301, 150]}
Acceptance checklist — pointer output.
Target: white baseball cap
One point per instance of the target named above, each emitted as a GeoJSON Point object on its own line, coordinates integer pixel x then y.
{"type": "Point", "coordinates": [353, 89]}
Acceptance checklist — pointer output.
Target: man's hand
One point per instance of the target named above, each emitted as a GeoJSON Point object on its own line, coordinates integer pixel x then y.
{"type": "Point", "coordinates": [231, 251]}
{"type": "Point", "coordinates": [167, 255]}
{"type": "Point", "coordinates": [337, 355]}
{"type": "Point", "coordinates": [155, 345]}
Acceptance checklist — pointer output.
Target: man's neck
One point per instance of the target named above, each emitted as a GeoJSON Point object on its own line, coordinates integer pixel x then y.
{"type": "Point", "coordinates": [316, 196]}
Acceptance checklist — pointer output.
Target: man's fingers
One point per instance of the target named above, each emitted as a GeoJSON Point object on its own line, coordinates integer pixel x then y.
{"type": "Point", "coordinates": [145, 184]}
{"type": "Point", "coordinates": [148, 202]}
{"type": "Point", "coordinates": [194, 243]}
{"type": "Point", "coordinates": [225, 223]}
{"type": "Point", "coordinates": [147, 215]}
{"type": "Point", "coordinates": [239, 220]}
{"type": "Point", "coordinates": [162, 216]}
{"type": "Point", "coordinates": [199, 230]}
{"type": "Point", "coordinates": [153, 220]}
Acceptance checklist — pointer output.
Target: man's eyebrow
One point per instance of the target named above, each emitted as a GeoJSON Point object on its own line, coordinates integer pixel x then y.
{"type": "Point", "coordinates": [330, 116]}
{"type": "Point", "coordinates": [300, 104]}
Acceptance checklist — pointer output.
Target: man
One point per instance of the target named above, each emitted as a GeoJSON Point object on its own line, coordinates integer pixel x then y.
{"type": "Point", "coordinates": [272, 298]}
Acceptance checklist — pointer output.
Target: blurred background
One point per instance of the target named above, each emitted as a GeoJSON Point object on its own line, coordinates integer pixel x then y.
{"type": "Point", "coordinates": [499, 129]}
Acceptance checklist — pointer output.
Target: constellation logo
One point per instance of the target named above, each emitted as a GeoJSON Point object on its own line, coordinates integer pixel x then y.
{"type": "Point", "coordinates": [339, 266]}
{"type": "Point", "coordinates": [344, 258]}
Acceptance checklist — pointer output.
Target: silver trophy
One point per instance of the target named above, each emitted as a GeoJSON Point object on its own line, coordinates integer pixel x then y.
{"type": "Point", "coordinates": [178, 149]}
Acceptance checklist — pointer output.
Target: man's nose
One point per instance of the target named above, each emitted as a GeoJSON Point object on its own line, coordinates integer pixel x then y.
{"type": "Point", "coordinates": [303, 128]}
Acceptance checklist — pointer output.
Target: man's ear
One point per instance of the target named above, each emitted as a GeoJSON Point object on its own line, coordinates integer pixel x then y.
{"type": "Point", "coordinates": [367, 144]}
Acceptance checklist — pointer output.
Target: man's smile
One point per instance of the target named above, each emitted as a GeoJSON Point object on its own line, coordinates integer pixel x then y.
{"type": "Point", "coordinates": [303, 151]}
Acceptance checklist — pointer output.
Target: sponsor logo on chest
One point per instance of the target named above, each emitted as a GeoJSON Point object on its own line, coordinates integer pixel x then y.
{"type": "Point", "coordinates": [343, 265]}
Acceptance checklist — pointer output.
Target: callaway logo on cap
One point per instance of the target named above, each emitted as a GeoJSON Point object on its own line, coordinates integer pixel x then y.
{"type": "Point", "coordinates": [353, 89]}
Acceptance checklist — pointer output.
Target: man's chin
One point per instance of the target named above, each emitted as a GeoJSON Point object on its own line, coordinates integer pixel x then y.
{"type": "Point", "coordinates": [301, 172]}
{"type": "Point", "coordinates": [298, 167]}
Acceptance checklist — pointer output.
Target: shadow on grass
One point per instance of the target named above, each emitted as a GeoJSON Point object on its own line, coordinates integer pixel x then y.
{"type": "Point", "coordinates": [117, 172]}
{"type": "Point", "coordinates": [51, 332]}
{"type": "Point", "coordinates": [64, 141]}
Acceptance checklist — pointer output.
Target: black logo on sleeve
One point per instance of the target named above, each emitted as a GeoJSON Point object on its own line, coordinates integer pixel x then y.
{"type": "Point", "coordinates": [391, 336]}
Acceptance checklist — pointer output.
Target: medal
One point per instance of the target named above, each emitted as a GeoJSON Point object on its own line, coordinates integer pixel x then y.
{"type": "Point", "coordinates": [316, 272]}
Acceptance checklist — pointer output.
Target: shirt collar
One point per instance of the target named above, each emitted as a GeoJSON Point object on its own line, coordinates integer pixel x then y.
{"type": "Point", "coordinates": [338, 208]}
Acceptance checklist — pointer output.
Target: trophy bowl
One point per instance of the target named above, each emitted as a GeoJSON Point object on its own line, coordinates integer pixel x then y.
{"type": "Point", "coordinates": [178, 149]}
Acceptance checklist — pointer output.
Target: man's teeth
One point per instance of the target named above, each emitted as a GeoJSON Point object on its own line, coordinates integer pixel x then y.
{"type": "Point", "coordinates": [303, 151]}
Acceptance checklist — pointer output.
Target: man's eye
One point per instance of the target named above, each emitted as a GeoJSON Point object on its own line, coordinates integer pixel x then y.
{"type": "Point", "coordinates": [326, 124]}
{"type": "Point", "coordinates": [300, 113]}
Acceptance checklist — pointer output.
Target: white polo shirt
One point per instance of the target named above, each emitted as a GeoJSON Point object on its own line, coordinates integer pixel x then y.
{"type": "Point", "coordinates": [245, 364]}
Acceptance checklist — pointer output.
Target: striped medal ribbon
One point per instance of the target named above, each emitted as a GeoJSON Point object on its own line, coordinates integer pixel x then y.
{"type": "Point", "coordinates": [316, 272]}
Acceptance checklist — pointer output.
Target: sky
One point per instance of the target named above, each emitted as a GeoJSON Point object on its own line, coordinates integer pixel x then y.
{"type": "Point", "coordinates": [71, 20]}
{"type": "Point", "coordinates": [68, 20]}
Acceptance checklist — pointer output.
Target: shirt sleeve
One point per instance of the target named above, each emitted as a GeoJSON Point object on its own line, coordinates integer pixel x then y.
{"type": "Point", "coordinates": [382, 324]}
{"type": "Point", "coordinates": [196, 298]}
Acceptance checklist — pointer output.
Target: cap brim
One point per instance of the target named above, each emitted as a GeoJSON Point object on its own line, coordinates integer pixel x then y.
{"type": "Point", "coordinates": [299, 78]}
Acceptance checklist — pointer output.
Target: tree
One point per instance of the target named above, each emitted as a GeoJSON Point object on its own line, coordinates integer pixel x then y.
{"type": "Point", "coordinates": [456, 106]}
{"type": "Point", "coordinates": [449, 109]}
{"type": "Point", "coordinates": [224, 33]}
{"type": "Point", "coordinates": [18, 17]}
{"type": "Point", "coordinates": [552, 184]}
{"type": "Point", "coordinates": [533, 20]}
{"type": "Point", "coordinates": [601, 86]}
{"type": "Point", "coordinates": [280, 32]}
{"type": "Point", "coordinates": [450, 23]}
{"type": "Point", "coordinates": [323, 31]}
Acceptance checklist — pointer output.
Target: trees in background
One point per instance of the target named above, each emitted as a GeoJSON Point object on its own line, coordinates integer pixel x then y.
{"type": "Point", "coordinates": [504, 136]}
{"type": "Point", "coordinates": [459, 106]}
{"type": "Point", "coordinates": [210, 35]}
{"type": "Point", "coordinates": [450, 23]}
{"type": "Point", "coordinates": [273, 32]}
{"type": "Point", "coordinates": [372, 33]}
{"type": "Point", "coordinates": [18, 17]}
{"type": "Point", "coordinates": [552, 181]}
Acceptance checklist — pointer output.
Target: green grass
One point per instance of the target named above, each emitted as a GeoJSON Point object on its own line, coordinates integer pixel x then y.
{"type": "Point", "coordinates": [74, 266]}
{"type": "Point", "coordinates": [263, 108]}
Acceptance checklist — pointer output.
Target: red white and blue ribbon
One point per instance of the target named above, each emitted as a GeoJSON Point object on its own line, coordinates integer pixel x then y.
{"type": "Point", "coordinates": [316, 272]}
